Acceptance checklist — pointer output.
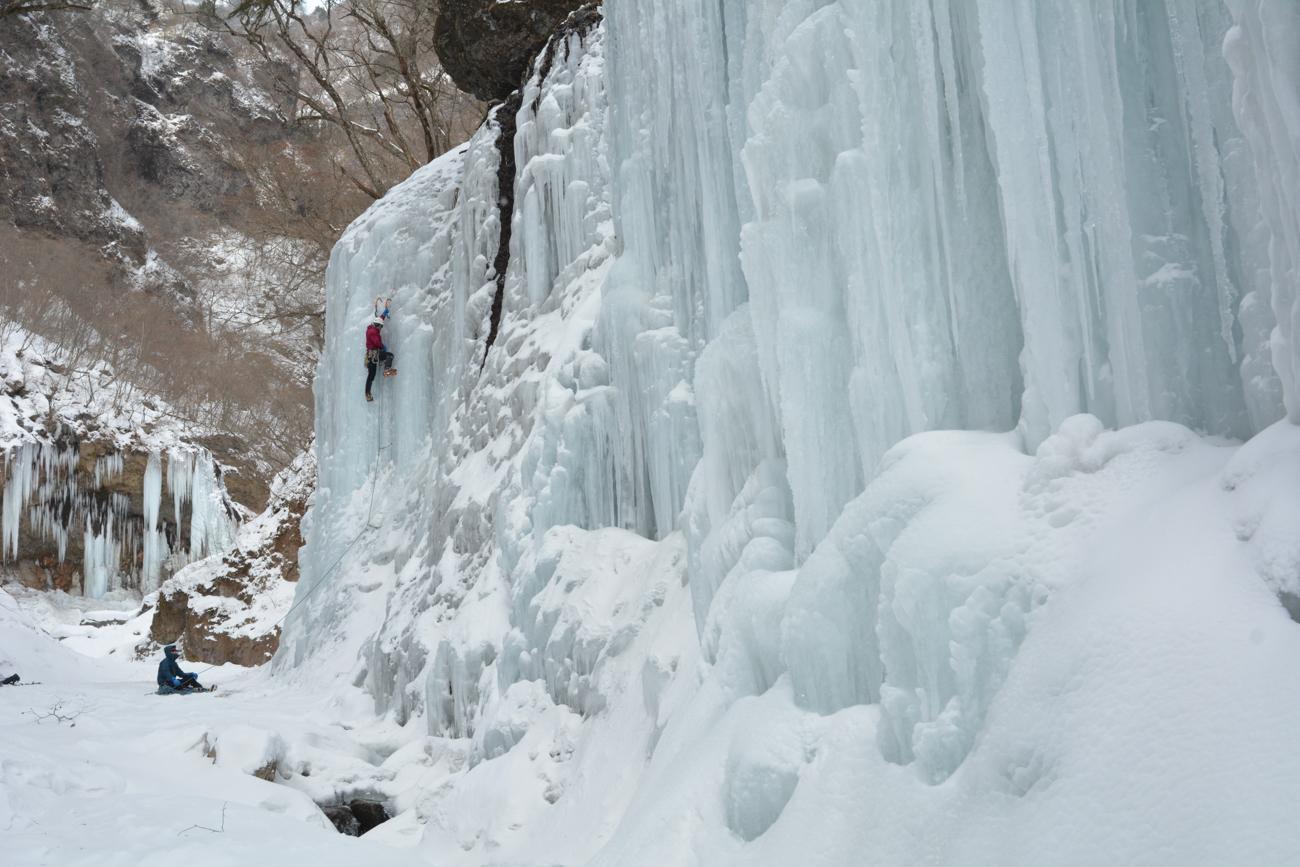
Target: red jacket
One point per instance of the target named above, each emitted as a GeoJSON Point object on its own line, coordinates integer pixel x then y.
{"type": "Point", "coordinates": [373, 340]}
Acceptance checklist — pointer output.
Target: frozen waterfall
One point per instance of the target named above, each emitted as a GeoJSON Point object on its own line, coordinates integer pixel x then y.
{"type": "Point", "coordinates": [54, 489]}
{"type": "Point", "coordinates": [841, 347]}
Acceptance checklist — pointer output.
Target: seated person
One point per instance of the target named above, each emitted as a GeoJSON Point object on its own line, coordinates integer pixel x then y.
{"type": "Point", "coordinates": [170, 676]}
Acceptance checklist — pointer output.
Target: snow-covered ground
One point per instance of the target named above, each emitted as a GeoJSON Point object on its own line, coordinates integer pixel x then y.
{"type": "Point", "coordinates": [1148, 716]}
{"type": "Point", "coordinates": [128, 777]}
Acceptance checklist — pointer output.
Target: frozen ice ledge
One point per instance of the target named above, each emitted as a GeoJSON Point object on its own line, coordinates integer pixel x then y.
{"type": "Point", "coordinates": [839, 346]}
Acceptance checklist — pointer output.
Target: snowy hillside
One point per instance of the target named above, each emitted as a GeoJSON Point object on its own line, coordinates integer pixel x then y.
{"type": "Point", "coordinates": [133, 228]}
{"type": "Point", "coordinates": [881, 446]}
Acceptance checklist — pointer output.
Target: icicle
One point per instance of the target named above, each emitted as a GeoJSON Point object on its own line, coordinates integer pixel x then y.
{"type": "Point", "coordinates": [107, 467]}
{"type": "Point", "coordinates": [211, 528]}
{"type": "Point", "coordinates": [99, 562]}
{"type": "Point", "coordinates": [155, 540]}
{"type": "Point", "coordinates": [20, 480]}
{"type": "Point", "coordinates": [180, 478]}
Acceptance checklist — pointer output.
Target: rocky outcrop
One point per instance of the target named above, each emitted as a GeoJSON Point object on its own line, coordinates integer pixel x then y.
{"type": "Point", "coordinates": [486, 46]}
{"type": "Point", "coordinates": [39, 564]}
{"type": "Point", "coordinates": [89, 461]}
{"type": "Point", "coordinates": [227, 608]}
{"type": "Point", "coordinates": [203, 629]}
{"type": "Point", "coordinates": [356, 817]}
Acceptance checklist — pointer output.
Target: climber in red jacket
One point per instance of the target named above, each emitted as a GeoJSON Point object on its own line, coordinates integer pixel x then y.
{"type": "Point", "coordinates": [377, 353]}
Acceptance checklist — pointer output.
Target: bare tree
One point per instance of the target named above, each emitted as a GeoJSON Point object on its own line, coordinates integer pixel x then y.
{"type": "Point", "coordinates": [365, 69]}
{"type": "Point", "coordinates": [394, 48]}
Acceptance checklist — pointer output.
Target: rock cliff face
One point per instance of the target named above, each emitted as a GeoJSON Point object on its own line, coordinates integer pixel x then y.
{"type": "Point", "coordinates": [114, 135]}
{"type": "Point", "coordinates": [104, 489]}
{"type": "Point", "coordinates": [227, 608]}
{"type": "Point", "coordinates": [486, 46]}
{"type": "Point", "coordinates": [40, 563]}
{"type": "Point", "coordinates": [120, 135]}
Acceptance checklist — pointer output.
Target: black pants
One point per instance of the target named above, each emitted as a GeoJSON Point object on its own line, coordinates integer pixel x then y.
{"type": "Point", "coordinates": [386, 359]}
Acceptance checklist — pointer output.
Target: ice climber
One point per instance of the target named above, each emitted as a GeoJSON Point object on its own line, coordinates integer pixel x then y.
{"type": "Point", "coordinates": [170, 677]}
{"type": "Point", "coordinates": [376, 352]}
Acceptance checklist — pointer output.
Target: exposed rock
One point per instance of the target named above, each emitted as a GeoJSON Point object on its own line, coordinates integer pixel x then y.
{"type": "Point", "coordinates": [114, 134]}
{"type": "Point", "coordinates": [504, 116]}
{"type": "Point", "coordinates": [344, 821]}
{"type": "Point", "coordinates": [486, 46]}
{"type": "Point", "coordinates": [139, 102]}
{"type": "Point", "coordinates": [370, 814]}
{"type": "Point", "coordinates": [1291, 602]}
{"type": "Point", "coordinates": [225, 608]}
{"type": "Point", "coordinates": [579, 23]}
{"type": "Point", "coordinates": [356, 818]}
{"type": "Point", "coordinates": [79, 485]}
{"type": "Point", "coordinates": [169, 617]}
{"type": "Point", "coordinates": [268, 771]}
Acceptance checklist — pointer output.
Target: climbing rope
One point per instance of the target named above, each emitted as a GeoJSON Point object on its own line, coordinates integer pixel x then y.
{"type": "Point", "coordinates": [322, 580]}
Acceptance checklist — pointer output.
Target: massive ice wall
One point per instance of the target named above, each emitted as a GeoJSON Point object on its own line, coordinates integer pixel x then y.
{"type": "Point", "coordinates": [793, 396]}
{"type": "Point", "coordinates": [1266, 100]}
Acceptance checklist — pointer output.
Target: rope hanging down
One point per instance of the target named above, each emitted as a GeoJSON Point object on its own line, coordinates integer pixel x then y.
{"type": "Point", "coordinates": [322, 580]}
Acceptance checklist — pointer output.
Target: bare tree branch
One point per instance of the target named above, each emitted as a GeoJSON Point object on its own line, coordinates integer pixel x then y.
{"type": "Point", "coordinates": [24, 7]}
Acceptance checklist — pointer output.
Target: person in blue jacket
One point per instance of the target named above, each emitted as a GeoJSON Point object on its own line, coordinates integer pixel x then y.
{"type": "Point", "coordinates": [170, 676]}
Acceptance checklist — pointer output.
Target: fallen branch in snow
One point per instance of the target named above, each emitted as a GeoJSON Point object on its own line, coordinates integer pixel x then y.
{"type": "Point", "coordinates": [220, 830]}
{"type": "Point", "coordinates": [58, 712]}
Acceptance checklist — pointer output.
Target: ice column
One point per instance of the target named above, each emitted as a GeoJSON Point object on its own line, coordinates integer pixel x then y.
{"type": "Point", "coordinates": [192, 477]}
{"type": "Point", "coordinates": [20, 478]}
{"type": "Point", "coordinates": [1262, 50]}
{"type": "Point", "coordinates": [102, 554]}
{"type": "Point", "coordinates": [155, 539]}
{"type": "Point", "coordinates": [211, 525]}
{"type": "Point", "coordinates": [610, 455]}
{"type": "Point", "coordinates": [673, 141]}
{"type": "Point", "coordinates": [405, 247]}
{"type": "Point", "coordinates": [180, 475]}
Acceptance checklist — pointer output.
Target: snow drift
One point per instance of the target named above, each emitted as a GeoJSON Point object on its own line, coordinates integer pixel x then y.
{"type": "Point", "coordinates": [858, 446]}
